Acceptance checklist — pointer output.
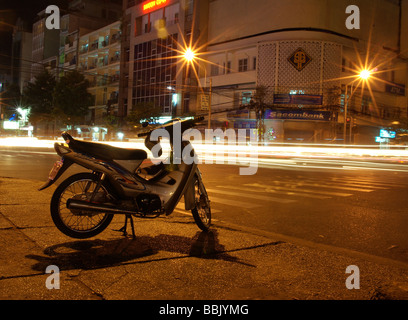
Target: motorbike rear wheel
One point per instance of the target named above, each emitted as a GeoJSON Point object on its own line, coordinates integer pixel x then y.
{"type": "Point", "coordinates": [79, 224]}
{"type": "Point", "coordinates": [202, 210]}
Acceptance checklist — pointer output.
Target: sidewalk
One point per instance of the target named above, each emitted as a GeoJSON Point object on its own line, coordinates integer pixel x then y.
{"type": "Point", "coordinates": [172, 260]}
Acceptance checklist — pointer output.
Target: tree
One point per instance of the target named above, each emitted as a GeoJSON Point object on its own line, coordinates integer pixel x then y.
{"type": "Point", "coordinates": [258, 104]}
{"type": "Point", "coordinates": [11, 99]}
{"type": "Point", "coordinates": [71, 97]}
{"type": "Point", "coordinates": [112, 123]}
{"type": "Point", "coordinates": [146, 111]}
{"type": "Point", "coordinates": [39, 96]}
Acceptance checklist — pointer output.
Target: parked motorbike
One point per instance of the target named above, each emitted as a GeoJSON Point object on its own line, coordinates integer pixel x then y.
{"type": "Point", "coordinates": [84, 204]}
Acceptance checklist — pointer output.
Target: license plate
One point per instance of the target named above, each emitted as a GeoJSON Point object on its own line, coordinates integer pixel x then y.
{"type": "Point", "coordinates": [57, 166]}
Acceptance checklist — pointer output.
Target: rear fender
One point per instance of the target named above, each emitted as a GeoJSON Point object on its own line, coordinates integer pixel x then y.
{"type": "Point", "coordinates": [66, 164]}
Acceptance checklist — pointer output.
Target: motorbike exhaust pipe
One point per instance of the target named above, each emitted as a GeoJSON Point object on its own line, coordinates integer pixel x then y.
{"type": "Point", "coordinates": [73, 204]}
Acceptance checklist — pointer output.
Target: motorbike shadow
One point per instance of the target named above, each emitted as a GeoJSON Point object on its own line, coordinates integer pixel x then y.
{"type": "Point", "coordinates": [94, 254]}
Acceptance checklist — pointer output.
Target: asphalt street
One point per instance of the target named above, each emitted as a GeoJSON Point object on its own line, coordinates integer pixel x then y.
{"type": "Point", "coordinates": [362, 210]}
{"type": "Point", "coordinates": [282, 234]}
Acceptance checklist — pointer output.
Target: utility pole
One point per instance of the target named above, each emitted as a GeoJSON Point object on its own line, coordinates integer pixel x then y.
{"type": "Point", "coordinates": [345, 116]}
{"type": "Point", "coordinates": [209, 105]}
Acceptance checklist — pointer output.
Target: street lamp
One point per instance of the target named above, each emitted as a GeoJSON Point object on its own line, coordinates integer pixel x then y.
{"type": "Point", "coordinates": [363, 75]}
{"type": "Point", "coordinates": [190, 56]}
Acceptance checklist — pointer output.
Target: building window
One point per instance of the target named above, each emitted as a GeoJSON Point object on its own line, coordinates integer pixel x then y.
{"type": "Point", "coordinates": [155, 71]}
{"type": "Point", "coordinates": [228, 69]}
{"type": "Point", "coordinates": [246, 97]}
{"type": "Point", "coordinates": [365, 105]}
{"type": "Point", "coordinates": [242, 65]}
{"type": "Point", "coordinates": [254, 62]}
{"type": "Point", "coordinates": [147, 27]}
{"type": "Point", "coordinates": [214, 70]}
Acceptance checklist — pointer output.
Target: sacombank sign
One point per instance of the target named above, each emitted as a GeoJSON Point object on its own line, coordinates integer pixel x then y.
{"type": "Point", "coordinates": [149, 6]}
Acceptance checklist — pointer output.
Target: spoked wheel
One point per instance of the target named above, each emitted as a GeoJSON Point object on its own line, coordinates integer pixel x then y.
{"type": "Point", "coordinates": [80, 224]}
{"type": "Point", "coordinates": [202, 210]}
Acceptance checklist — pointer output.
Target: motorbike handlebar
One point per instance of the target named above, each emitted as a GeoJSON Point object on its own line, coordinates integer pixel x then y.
{"type": "Point", "coordinates": [185, 124]}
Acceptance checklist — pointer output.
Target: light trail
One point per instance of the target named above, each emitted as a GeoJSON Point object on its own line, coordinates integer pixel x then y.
{"type": "Point", "coordinates": [304, 156]}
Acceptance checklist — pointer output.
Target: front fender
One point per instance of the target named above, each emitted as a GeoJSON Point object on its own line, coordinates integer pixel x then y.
{"type": "Point", "coordinates": [189, 200]}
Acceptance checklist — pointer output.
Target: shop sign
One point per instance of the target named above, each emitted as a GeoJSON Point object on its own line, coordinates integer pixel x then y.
{"type": "Point", "coordinates": [381, 140]}
{"type": "Point", "coordinates": [282, 98]}
{"type": "Point", "coordinates": [238, 114]}
{"type": "Point", "coordinates": [298, 115]}
{"type": "Point", "coordinates": [304, 99]}
{"type": "Point", "coordinates": [387, 134]}
{"type": "Point", "coordinates": [152, 5]}
{"type": "Point", "coordinates": [245, 124]}
{"type": "Point", "coordinates": [299, 59]}
{"type": "Point", "coordinates": [204, 101]}
{"type": "Point", "coordinates": [11, 125]}
{"type": "Point", "coordinates": [398, 89]}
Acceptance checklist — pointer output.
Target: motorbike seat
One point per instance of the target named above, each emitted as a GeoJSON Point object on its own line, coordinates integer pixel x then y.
{"type": "Point", "coordinates": [102, 151]}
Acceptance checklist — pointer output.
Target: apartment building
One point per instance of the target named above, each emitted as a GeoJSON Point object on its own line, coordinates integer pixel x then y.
{"type": "Point", "coordinates": [45, 46]}
{"type": "Point", "coordinates": [83, 16]}
{"type": "Point", "coordinates": [99, 61]}
{"type": "Point", "coordinates": [153, 42]}
{"type": "Point", "coordinates": [21, 54]}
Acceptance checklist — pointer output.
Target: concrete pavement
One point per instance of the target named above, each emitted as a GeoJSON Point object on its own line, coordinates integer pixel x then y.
{"type": "Point", "coordinates": [172, 260]}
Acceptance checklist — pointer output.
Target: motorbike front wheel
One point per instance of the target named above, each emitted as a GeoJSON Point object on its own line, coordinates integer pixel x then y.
{"type": "Point", "coordinates": [79, 224]}
{"type": "Point", "coordinates": [202, 210]}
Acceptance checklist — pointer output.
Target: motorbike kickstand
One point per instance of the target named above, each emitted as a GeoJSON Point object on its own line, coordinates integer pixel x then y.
{"type": "Point", "coordinates": [124, 228]}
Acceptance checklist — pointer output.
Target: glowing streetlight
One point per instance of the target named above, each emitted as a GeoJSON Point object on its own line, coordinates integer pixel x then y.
{"type": "Point", "coordinates": [189, 55]}
{"type": "Point", "coordinates": [23, 113]}
{"type": "Point", "coordinates": [365, 74]}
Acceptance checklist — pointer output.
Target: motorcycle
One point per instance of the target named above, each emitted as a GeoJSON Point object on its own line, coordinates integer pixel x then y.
{"type": "Point", "coordinates": [84, 204]}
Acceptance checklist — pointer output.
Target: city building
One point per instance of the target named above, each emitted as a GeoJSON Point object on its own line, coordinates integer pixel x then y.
{"type": "Point", "coordinates": [151, 68]}
{"type": "Point", "coordinates": [99, 61]}
{"type": "Point", "coordinates": [83, 16]}
{"type": "Point", "coordinates": [301, 55]}
{"type": "Point", "coordinates": [309, 64]}
{"type": "Point", "coordinates": [45, 46]}
{"type": "Point", "coordinates": [57, 50]}
{"type": "Point", "coordinates": [21, 54]}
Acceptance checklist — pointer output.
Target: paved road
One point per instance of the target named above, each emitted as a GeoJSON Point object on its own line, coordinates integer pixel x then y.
{"type": "Point", "coordinates": [288, 232]}
{"type": "Point", "coordinates": [362, 210]}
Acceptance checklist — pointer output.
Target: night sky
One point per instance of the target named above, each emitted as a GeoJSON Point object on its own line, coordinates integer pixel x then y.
{"type": "Point", "coordinates": [10, 10]}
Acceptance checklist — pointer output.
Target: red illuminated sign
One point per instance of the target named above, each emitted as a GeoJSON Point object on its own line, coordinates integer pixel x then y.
{"type": "Point", "coordinates": [152, 5]}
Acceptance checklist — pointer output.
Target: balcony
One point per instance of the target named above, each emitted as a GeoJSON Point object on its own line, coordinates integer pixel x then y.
{"type": "Point", "coordinates": [115, 58]}
{"type": "Point", "coordinates": [114, 78]}
{"type": "Point", "coordinates": [84, 49]}
{"type": "Point", "coordinates": [83, 66]}
{"type": "Point", "coordinates": [115, 38]}
{"type": "Point", "coordinates": [94, 46]}
{"type": "Point", "coordinates": [104, 44]}
{"type": "Point", "coordinates": [72, 61]}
